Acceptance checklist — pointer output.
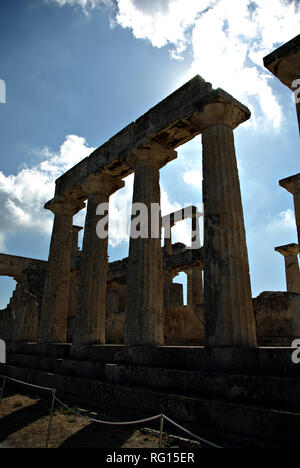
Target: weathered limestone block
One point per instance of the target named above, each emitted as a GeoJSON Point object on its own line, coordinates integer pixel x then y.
{"type": "Point", "coordinates": [184, 326]}
{"type": "Point", "coordinates": [53, 320]}
{"type": "Point", "coordinates": [277, 318]}
{"type": "Point", "coordinates": [229, 315]}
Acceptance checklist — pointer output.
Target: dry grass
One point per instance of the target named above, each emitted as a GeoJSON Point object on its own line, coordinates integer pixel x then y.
{"type": "Point", "coordinates": [24, 423]}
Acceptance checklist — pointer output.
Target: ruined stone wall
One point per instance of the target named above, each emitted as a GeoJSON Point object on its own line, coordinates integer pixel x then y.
{"type": "Point", "coordinates": [19, 321]}
{"type": "Point", "coordinates": [277, 317]}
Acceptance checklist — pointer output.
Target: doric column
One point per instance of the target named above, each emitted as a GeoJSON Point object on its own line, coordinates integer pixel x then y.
{"type": "Point", "coordinates": [144, 297]}
{"type": "Point", "coordinates": [73, 295]}
{"type": "Point", "coordinates": [290, 253]}
{"type": "Point", "coordinates": [189, 287]}
{"type": "Point", "coordinates": [195, 240]}
{"type": "Point", "coordinates": [53, 320]}
{"type": "Point", "coordinates": [195, 295]}
{"type": "Point", "coordinates": [75, 235]}
{"type": "Point", "coordinates": [90, 316]}
{"type": "Point", "coordinates": [227, 293]}
{"type": "Point", "coordinates": [292, 185]}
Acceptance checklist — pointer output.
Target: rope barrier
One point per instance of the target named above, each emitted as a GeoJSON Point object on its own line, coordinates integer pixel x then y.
{"type": "Point", "coordinates": [161, 417]}
{"type": "Point", "coordinates": [28, 384]}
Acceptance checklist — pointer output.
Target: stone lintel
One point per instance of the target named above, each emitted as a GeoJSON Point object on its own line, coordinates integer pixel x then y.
{"type": "Point", "coordinates": [166, 123]}
{"type": "Point", "coordinates": [288, 250]}
{"type": "Point", "coordinates": [284, 62]}
{"type": "Point", "coordinates": [190, 212]}
{"type": "Point", "coordinates": [13, 266]}
{"type": "Point", "coordinates": [151, 153]}
{"type": "Point", "coordinates": [291, 184]}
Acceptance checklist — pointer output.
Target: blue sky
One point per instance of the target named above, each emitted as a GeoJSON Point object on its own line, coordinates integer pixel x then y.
{"type": "Point", "coordinates": [78, 71]}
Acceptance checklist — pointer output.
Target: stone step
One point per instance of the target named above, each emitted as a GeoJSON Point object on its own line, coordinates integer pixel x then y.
{"type": "Point", "coordinates": [261, 426]}
{"type": "Point", "coordinates": [85, 369]}
{"type": "Point", "coordinates": [276, 362]}
{"type": "Point", "coordinates": [280, 392]}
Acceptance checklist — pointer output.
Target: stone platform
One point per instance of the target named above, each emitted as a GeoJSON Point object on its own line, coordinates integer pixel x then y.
{"type": "Point", "coordinates": [237, 397]}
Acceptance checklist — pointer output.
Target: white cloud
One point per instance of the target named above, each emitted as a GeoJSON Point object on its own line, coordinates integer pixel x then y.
{"type": "Point", "coordinates": [283, 224]}
{"type": "Point", "coordinates": [193, 177]}
{"type": "Point", "coordinates": [86, 5]}
{"type": "Point", "coordinates": [228, 38]}
{"type": "Point", "coordinates": [22, 196]}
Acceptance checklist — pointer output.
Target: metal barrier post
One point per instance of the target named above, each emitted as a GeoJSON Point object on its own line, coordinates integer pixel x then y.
{"type": "Point", "coordinates": [51, 417]}
{"type": "Point", "coordinates": [2, 390]}
{"type": "Point", "coordinates": [161, 431]}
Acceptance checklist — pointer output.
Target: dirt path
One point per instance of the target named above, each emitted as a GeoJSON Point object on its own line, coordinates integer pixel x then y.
{"type": "Point", "coordinates": [24, 423]}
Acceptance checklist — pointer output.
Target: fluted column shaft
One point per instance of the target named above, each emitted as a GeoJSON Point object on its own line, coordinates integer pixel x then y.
{"type": "Point", "coordinates": [197, 287]}
{"type": "Point", "coordinates": [227, 293]}
{"type": "Point", "coordinates": [53, 320]}
{"type": "Point", "coordinates": [144, 296]}
{"type": "Point", "coordinates": [292, 273]}
{"type": "Point", "coordinates": [195, 294]}
{"type": "Point", "coordinates": [91, 308]}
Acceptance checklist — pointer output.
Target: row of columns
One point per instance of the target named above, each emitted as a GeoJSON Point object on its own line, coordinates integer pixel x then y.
{"type": "Point", "coordinates": [227, 292]}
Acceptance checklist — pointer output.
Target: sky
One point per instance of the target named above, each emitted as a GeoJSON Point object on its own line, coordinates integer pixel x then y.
{"type": "Point", "coordinates": [78, 71]}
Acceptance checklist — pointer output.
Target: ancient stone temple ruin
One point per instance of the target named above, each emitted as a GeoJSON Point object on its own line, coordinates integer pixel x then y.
{"type": "Point", "coordinates": [118, 335]}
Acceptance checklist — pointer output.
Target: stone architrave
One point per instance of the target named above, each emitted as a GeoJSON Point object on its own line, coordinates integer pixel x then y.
{"type": "Point", "coordinates": [229, 317]}
{"type": "Point", "coordinates": [284, 63]}
{"type": "Point", "coordinates": [290, 253]}
{"type": "Point", "coordinates": [54, 312]}
{"type": "Point", "coordinates": [144, 323]}
{"type": "Point", "coordinates": [90, 316]}
{"type": "Point", "coordinates": [292, 185]}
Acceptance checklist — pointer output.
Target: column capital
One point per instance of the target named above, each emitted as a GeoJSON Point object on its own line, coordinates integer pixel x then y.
{"type": "Point", "coordinates": [289, 250]}
{"type": "Point", "coordinates": [64, 205]}
{"type": "Point", "coordinates": [228, 112]}
{"type": "Point", "coordinates": [102, 184]}
{"type": "Point", "coordinates": [152, 154]}
{"type": "Point", "coordinates": [291, 184]}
